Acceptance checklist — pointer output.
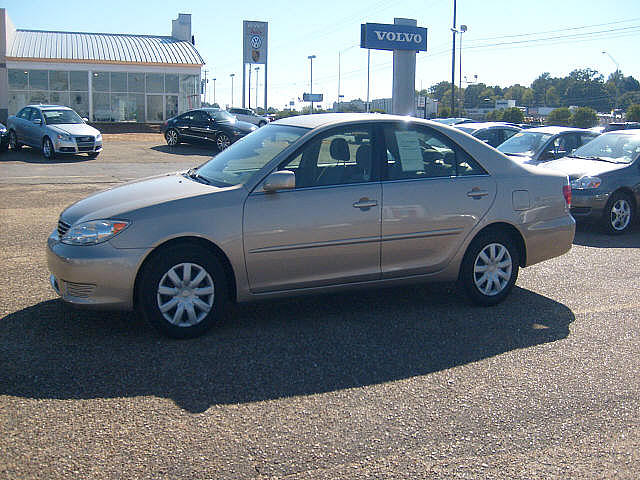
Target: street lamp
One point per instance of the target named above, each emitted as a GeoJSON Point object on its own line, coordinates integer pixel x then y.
{"type": "Point", "coordinates": [615, 81]}
{"type": "Point", "coordinates": [232, 75]}
{"type": "Point", "coordinates": [214, 90]}
{"type": "Point", "coordinates": [463, 28]}
{"type": "Point", "coordinates": [311, 57]}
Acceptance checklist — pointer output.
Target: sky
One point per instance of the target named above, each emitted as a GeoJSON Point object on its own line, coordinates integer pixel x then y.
{"type": "Point", "coordinates": [506, 42]}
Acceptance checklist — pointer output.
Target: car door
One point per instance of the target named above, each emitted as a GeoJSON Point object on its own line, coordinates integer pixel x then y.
{"type": "Point", "coordinates": [202, 126]}
{"type": "Point", "coordinates": [327, 229]}
{"type": "Point", "coordinates": [183, 124]}
{"type": "Point", "coordinates": [21, 125]}
{"type": "Point", "coordinates": [434, 195]}
{"type": "Point", "coordinates": [33, 129]}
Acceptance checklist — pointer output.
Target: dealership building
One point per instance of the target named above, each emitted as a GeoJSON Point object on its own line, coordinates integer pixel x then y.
{"type": "Point", "coordinates": [104, 77]}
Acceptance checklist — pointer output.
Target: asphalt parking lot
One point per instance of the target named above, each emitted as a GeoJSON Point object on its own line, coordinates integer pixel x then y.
{"type": "Point", "coordinates": [399, 383]}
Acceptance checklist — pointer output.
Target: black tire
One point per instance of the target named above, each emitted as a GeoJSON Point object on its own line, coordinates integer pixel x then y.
{"type": "Point", "coordinates": [93, 154]}
{"type": "Point", "coordinates": [222, 141]}
{"type": "Point", "coordinates": [618, 214]}
{"type": "Point", "coordinates": [13, 141]}
{"type": "Point", "coordinates": [157, 288]}
{"type": "Point", "coordinates": [489, 287]}
{"type": "Point", "coordinates": [172, 137]}
{"type": "Point", "coordinates": [48, 152]}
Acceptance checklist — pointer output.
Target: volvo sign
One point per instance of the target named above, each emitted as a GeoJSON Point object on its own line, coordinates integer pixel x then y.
{"type": "Point", "coordinates": [382, 36]}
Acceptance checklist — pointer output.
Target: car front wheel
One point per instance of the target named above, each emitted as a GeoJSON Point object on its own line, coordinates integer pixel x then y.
{"type": "Point", "coordinates": [48, 151]}
{"type": "Point", "coordinates": [172, 137]}
{"type": "Point", "coordinates": [182, 291]}
{"type": "Point", "coordinates": [618, 214]}
{"type": "Point", "coordinates": [223, 141]}
{"type": "Point", "coordinates": [490, 268]}
{"type": "Point", "coordinates": [13, 141]}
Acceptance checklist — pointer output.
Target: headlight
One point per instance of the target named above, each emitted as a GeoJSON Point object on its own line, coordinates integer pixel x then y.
{"type": "Point", "coordinates": [63, 136]}
{"type": "Point", "coordinates": [93, 232]}
{"type": "Point", "coordinates": [99, 137]}
{"type": "Point", "coordinates": [586, 182]}
{"type": "Point", "coordinates": [2, 129]}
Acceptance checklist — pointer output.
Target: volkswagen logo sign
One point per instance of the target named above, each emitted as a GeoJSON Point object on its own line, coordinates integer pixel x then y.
{"type": "Point", "coordinates": [256, 41]}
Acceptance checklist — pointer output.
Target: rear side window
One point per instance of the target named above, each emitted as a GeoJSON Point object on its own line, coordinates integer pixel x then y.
{"type": "Point", "coordinates": [415, 152]}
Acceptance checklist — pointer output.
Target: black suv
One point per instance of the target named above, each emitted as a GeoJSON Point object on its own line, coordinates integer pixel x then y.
{"type": "Point", "coordinates": [206, 124]}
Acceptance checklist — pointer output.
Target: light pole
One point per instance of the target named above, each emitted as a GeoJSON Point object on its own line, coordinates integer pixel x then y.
{"type": "Point", "coordinates": [214, 90]}
{"type": "Point", "coordinates": [453, 61]}
{"type": "Point", "coordinates": [615, 81]}
{"type": "Point", "coordinates": [232, 75]}
{"type": "Point", "coordinates": [463, 28]}
{"type": "Point", "coordinates": [257, 82]}
{"type": "Point", "coordinates": [311, 57]}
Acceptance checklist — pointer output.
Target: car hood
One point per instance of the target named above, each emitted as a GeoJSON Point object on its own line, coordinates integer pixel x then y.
{"type": "Point", "coordinates": [74, 129]}
{"type": "Point", "coordinates": [576, 167]}
{"type": "Point", "coordinates": [244, 127]}
{"type": "Point", "coordinates": [117, 202]}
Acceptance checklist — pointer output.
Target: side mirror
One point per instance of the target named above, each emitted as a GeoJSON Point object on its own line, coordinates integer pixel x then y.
{"type": "Point", "coordinates": [281, 180]}
{"type": "Point", "coordinates": [85, 119]}
{"type": "Point", "coordinates": [37, 121]}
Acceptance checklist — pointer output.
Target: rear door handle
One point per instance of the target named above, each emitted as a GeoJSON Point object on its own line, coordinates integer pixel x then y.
{"type": "Point", "coordinates": [364, 203]}
{"type": "Point", "coordinates": [477, 193]}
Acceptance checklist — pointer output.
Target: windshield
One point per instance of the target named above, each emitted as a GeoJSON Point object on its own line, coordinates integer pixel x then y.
{"type": "Point", "coordinates": [57, 117]}
{"type": "Point", "coordinates": [614, 147]}
{"type": "Point", "coordinates": [524, 143]}
{"type": "Point", "coordinates": [236, 164]}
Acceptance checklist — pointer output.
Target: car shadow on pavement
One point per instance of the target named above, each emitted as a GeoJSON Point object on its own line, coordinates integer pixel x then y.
{"type": "Point", "coordinates": [184, 149]}
{"type": "Point", "coordinates": [267, 350]}
{"type": "Point", "coordinates": [32, 155]}
{"type": "Point", "coordinates": [592, 236]}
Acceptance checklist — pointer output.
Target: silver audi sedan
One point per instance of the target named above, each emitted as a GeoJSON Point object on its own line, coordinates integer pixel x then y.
{"type": "Point", "coordinates": [312, 204]}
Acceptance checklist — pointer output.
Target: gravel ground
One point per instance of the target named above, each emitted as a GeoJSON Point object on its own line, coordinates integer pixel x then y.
{"type": "Point", "coordinates": [399, 383]}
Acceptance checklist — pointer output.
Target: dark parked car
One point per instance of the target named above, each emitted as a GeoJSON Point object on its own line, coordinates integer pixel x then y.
{"type": "Point", "coordinates": [621, 126]}
{"type": "Point", "coordinates": [491, 133]}
{"type": "Point", "coordinates": [4, 138]}
{"type": "Point", "coordinates": [605, 179]}
{"type": "Point", "coordinates": [543, 144]}
{"type": "Point", "coordinates": [206, 124]}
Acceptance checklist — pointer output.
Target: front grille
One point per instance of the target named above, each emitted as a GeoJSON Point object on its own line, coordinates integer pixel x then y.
{"type": "Point", "coordinates": [85, 144]}
{"type": "Point", "coordinates": [63, 228]}
{"type": "Point", "coordinates": [81, 290]}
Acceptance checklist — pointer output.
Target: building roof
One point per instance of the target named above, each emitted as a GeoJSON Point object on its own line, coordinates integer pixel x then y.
{"type": "Point", "coordinates": [39, 45]}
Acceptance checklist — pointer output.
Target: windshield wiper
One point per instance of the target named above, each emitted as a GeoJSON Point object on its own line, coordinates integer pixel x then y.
{"type": "Point", "coordinates": [592, 158]}
{"type": "Point", "coordinates": [193, 173]}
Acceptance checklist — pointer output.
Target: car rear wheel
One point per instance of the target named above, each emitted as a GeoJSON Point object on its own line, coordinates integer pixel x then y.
{"type": "Point", "coordinates": [490, 268]}
{"type": "Point", "coordinates": [618, 214]}
{"type": "Point", "coordinates": [172, 137]}
{"type": "Point", "coordinates": [48, 151]}
{"type": "Point", "coordinates": [222, 141]}
{"type": "Point", "coordinates": [13, 141]}
{"type": "Point", "coordinates": [183, 291]}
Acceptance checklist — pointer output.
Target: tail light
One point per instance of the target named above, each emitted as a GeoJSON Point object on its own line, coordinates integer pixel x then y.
{"type": "Point", "coordinates": [566, 191]}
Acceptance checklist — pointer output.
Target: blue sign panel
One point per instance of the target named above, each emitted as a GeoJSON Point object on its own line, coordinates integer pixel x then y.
{"type": "Point", "coordinates": [382, 36]}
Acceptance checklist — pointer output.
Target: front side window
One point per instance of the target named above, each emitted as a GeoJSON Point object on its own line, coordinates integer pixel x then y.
{"type": "Point", "coordinates": [419, 152]}
{"type": "Point", "coordinates": [341, 156]}
{"type": "Point", "coordinates": [238, 163]}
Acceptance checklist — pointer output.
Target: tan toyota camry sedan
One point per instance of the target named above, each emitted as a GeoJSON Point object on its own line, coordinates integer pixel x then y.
{"type": "Point", "coordinates": [312, 204]}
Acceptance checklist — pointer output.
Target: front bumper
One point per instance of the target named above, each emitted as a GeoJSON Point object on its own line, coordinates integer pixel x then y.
{"type": "Point", "coordinates": [94, 275]}
{"type": "Point", "coordinates": [588, 205]}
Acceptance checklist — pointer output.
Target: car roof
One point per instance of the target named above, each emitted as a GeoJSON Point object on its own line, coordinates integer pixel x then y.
{"type": "Point", "coordinates": [480, 125]}
{"type": "Point", "coordinates": [321, 119]}
{"type": "Point", "coordinates": [556, 130]}
{"type": "Point", "coordinates": [48, 107]}
{"type": "Point", "coordinates": [626, 131]}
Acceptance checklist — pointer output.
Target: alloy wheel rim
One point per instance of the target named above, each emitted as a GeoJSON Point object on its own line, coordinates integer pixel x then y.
{"type": "Point", "coordinates": [46, 148]}
{"type": "Point", "coordinates": [13, 141]}
{"type": "Point", "coordinates": [492, 269]}
{"type": "Point", "coordinates": [223, 142]}
{"type": "Point", "coordinates": [172, 138]}
{"type": "Point", "coordinates": [620, 215]}
{"type": "Point", "coordinates": [185, 294]}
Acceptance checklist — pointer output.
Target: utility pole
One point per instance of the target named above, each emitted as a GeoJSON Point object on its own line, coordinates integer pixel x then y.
{"type": "Point", "coordinates": [257, 83]}
{"type": "Point", "coordinates": [453, 61]}
{"type": "Point", "coordinates": [214, 90]}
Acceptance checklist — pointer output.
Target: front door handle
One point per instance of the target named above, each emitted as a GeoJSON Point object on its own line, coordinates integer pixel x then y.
{"type": "Point", "coordinates": [477, 193]}
{"type": "Point", "coordinates": [365, 204]}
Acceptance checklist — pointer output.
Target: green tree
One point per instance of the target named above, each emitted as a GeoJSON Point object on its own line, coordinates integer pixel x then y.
{"type": "Point", "coordinates": [583, 117]}
{"type": "Point", "coordinates": [559, 116]}
{"type": "Point", "coordinates": [443, 112]}
{"type": "Point", "coordinates": [633, 113]}
{"type": "Point", "coordinates": [494, 115]}
{"type": "Point", "coordinates": [513, 115]}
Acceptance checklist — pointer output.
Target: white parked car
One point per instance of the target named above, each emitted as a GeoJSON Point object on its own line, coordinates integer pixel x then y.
{"type": "Point", "coordinates": [248, 115]}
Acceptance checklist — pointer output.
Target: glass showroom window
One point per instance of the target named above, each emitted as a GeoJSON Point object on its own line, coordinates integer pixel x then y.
{"type": "Point", "coordinates": [48, 86]}
{"type": "Point", "coordinates": [189, 97]}
{"type": "Point", "coordinates": [59, 81]}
